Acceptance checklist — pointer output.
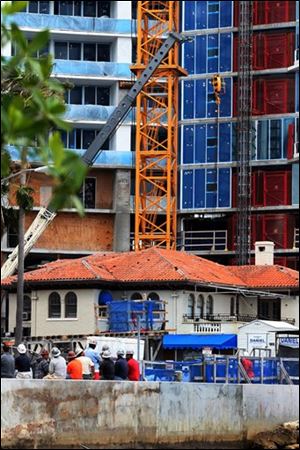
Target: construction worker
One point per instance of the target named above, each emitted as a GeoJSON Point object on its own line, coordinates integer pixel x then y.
{"type": "Point", "coordinates": [42, 364]}
{"type": "Point", "coordinates": [74, 367]}
{"type": "Point", "coordinates": [88, 366]}
{"type": "Point", "coordinates": [121, 366]}
{"type": "Point", "coordinates": [57, 366]}
{"type": "Point", "coordinates": [22, 363]}
{"type": "Point", "coordinates": [107, 366]}
{"type": "Point", "coordinates": [91, 353]}
{"type": "Point", "coordinates": [133, 366]}
{"type": "Point", "coordinates": [7, 363]}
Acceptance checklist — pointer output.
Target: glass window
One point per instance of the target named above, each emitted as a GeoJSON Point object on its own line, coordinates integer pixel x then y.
{"type": "Point", "coordinates": [212, 52]}
{"type": "Point", "coordinates": [136, 296]}
{"type": "Point", "coordinates": [61, 50]}
{"type": "Point", "coordinates": [90, 95]}
{"type": "Point", "coordinates": [89, 52]}
{"type": "Point", "coordinates": [72, 139]}
{"type": "Point", "coordinates": [26, 308]}
{"type": "Point", "coordinates": [87, 138]}
{"type": "Point", "coordinates": [209, 306]}
{"type": "Point", "coordinates": [44, 8]}
{"type": "Point", "coordinates": [191, 306]}
{"type": "Point", "coordinates": [213, 7]}
{"type": "Point", "coordinates": [89, 9]}
{"type": "Point", "coordinates": [89, 200]}
{"type": "Point", "coordinates": [232, 306]}
{"type": "Point", "coordinates": [75, 51]}
{"type": "Point", "coordinates": [262, 139]}
{"type": "Point", "coordinates": [200, 307]}
{"type": "Point", "coordinates": [54, 305]}
{"type": "Point", "coordinates": [33, 7]}
{"type": "Point", "coordinates": [103, 53]}
{"type": "Point", "coordinates": [275, 139]}
{"type": "Point", "coordinates": [103, 9]}
{"type": "Point", "coordinates": [76, 95]}
{"type": "Point", "coordinates": [70, 305]}
{"type": "Point", "coordinates": [103, 95]}
{"type": "Point", "coordinates": [77, 8]}
{"type": "Point", "coordinates": [65, 8]}
{"type": "Point", "coordinates": [78, 140]}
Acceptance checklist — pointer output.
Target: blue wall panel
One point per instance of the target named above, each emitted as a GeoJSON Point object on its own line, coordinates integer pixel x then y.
{"type": "Point", "coordinates": [189, 15]}
{"type": "Point", "coordinates": [225, 52]}
{"type": "Point", "coordinates": [201, 52]}
{"type": "Point", "coordinates": [225, 13]}
{"type": "Point", "coordinates": [188, 99]}
{"type": "Point", "coordinates": [200, 143]}
{"type": "Point", "coordinates": [224, 188]}
{"type": "Point", "coordinates": [188, 144]}
{"type": "Point", "coordinates": [200, 98]}
{"type": "Point", "coordinates": [201, 15]}
{"type": "Point", "coordinates": [213, 53]}
{"type": "Point", "coordinates": [187, 188]}
{"type": "Point", "coordinates": [199, 201]}
{"type": "Point", "coordinates": [189, 56]}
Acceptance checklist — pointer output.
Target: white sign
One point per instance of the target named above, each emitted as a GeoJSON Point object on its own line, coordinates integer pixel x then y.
{"type": "Point", "coordinates": [289, 342]}
{"type": "Point", "coordinates": [257, 340]}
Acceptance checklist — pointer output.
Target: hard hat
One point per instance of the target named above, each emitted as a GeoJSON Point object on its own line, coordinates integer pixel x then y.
{"type": "Point", "coordinates": [55, 352]}
{"type": "Point", "coordinates": [105, 347]}
{"type": "Point", "coordinates": [92, 341]}
{"type": "Point", "coordinates": [21, 348]}
{"type": "Point", "coordinates": [106, 354]}
{"type": "Point", "coordinates": [129, 352]}
{"type": "Point", "coordinates": [78, 351]}
{"type": "Point", "coordinates": [71, 355]}
{"type": "Point", "coordinates": [121, 352]}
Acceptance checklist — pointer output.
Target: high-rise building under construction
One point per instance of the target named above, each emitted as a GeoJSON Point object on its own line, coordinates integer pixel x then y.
{"type": "Point", "coordinates": [237, 143]}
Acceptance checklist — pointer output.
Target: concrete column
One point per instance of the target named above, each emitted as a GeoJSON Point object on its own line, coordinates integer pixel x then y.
{"type": "Point", "coordinates": [122, 211]}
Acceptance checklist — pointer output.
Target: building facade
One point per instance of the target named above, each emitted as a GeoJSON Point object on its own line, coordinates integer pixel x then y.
{"type": "Point", "coordinates": [94, 44]}
{"type": "Point", "coordinates": [208, 172]}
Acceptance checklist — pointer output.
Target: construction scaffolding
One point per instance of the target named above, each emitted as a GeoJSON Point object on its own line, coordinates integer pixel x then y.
{"type": "Point", "coordinates": [156, 129]}
{"type": "Point", "coordinates": [244, 132]}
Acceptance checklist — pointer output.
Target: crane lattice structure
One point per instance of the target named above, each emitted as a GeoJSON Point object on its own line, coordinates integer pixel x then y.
{"type": "Point", "coordinates": [244, 132]}
{"type": "Point", "coordinates": [156, 128]}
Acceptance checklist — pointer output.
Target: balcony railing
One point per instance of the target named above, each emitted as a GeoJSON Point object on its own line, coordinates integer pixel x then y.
{"type": "Point", "coordinates": [200, 320]}
{"type": "Point", "coordinates": [203, 241]}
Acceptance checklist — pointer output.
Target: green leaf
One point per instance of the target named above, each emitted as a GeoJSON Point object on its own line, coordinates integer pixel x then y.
{"type": "Point", "coordinates": [13, 7]}
{"type": "Point", "coordinates": [57, 148]}
{"type": "Point", "coordinates": [78, 205]}
{"type": "Point", "coordinates": [39, 41]}
{"type": "Point", "coordinates": [18, 37]}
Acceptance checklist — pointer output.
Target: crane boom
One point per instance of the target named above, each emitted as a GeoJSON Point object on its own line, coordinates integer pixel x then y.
{"type": "Point", "coordinates": [46, 215]}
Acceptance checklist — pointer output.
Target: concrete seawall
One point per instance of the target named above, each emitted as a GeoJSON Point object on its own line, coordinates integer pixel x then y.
{"type": "Point", "coordinates": [60, 413]}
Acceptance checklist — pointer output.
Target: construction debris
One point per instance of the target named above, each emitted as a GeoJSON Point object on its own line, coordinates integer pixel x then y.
{"type": "Point", "coordinates": [285, 436]}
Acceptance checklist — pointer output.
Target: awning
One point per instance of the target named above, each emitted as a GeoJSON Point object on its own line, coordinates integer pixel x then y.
{"type": "Point", "coordinates": [196, 341]}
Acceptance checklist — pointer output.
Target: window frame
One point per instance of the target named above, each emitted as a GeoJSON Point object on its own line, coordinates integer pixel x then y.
{"type": "Point", "coordinates": [58, 298]}
{"type": "Point", "coordinates": [82, 193]}
{"type": "Point", "coordinates": [67, 313]}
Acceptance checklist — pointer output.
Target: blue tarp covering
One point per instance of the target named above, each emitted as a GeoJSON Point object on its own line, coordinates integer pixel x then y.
{"type": "Point", "coordinates": [91, 69]}
{"type": "Point", "coordinates": [196, 341]}
{"type": "Point", "coordinates": [87, 24]}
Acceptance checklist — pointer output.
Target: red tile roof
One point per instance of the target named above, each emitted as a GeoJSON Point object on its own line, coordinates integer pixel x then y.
{"type": "Point", "coordinates": [159, 265]}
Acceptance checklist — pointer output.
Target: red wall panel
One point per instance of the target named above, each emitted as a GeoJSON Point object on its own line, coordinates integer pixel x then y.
{"type": "Point", "coordinates": [265, 12]}
{"type": "Point", "coordinates": [277, 188]}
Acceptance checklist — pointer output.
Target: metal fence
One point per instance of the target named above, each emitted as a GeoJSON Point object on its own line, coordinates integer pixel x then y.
{"type": "Point", "coordinates": [224, 369]}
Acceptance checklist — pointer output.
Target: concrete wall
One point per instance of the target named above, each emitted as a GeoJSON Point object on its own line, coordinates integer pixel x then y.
{"type": "Point", "coordinates": [36, 412]}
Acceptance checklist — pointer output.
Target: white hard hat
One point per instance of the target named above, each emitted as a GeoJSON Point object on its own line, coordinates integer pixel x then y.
{"type": "Point", "coordinates": [121, 352]}
{"type": "Point", "coordinates": [105, 347]}
{"type": "Point", "coordinates": [21, 348]}
{"type": "Point", "coordinates": [129, 352]}
{"type": "Point", "coordinates": [106, 354]}
{"type": "Point", "coordinates": [55, 352]}
{"type": "Point", "coordinates": [92, 341]}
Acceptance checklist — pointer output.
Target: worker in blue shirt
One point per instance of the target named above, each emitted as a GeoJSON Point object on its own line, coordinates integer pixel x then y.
{"type": "Point", "coordinates": [91, 353]}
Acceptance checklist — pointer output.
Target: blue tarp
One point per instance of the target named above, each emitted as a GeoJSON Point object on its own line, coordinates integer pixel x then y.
{"type": "Point", "coordinates": [196, 341]}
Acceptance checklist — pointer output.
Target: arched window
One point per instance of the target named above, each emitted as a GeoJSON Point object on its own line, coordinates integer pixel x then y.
{"type": "Point", "coordinates": [209, 307]}
{"type": "Point", "coordinates": [191, 306]}
{"type": "Point", "coordinates": [54, 304]}
{"type": "Point", "coordinates": [153, 296]}
{"type": "Point", "coordinates": [200, 306]}
{"type": "Point", "coordinates": [26, 308]}
{"type": "Point", "coordinates": [136, 296]}
{"type": "Point", "coordinates": [232, 306]}
{"type": "Point", "coordinates": [71, 305]}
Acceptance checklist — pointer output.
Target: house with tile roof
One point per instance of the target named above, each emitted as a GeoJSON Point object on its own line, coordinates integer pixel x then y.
{"type": "Point", "coordinates": [70, 297]}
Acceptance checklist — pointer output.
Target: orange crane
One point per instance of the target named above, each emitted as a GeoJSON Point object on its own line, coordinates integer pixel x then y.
{"type": "Point", "coordinates": [157, 128]}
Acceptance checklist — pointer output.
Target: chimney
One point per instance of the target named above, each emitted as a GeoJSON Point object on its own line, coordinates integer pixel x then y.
{"type": "Point", "coordinates": [264, 253]}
